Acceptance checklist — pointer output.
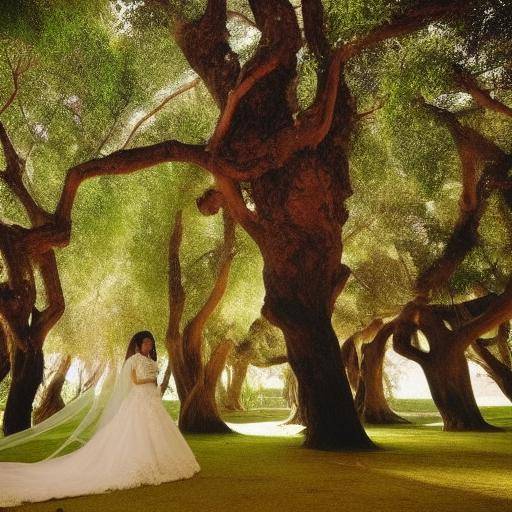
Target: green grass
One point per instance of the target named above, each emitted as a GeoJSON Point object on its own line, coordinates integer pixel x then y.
{"type": "Point", "coordinates": [418, 469]}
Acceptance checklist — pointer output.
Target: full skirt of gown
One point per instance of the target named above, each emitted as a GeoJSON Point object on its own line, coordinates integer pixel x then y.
{"type": "Point", "coordinates": [140, 445]}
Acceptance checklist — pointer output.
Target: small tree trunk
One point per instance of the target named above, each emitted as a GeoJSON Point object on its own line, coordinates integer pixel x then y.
{"type": "Point", "coordinates": [199, 412]}
{"type": "Point", "coordinates": [196, 382]}
{"type": "Point", "coordinates": [234, 390]}
{"type": "Point", "coordinates": [51, 401]}
{"type": "Point", "coordinates": [370, 400]}
{"type": "Point", "coordinates": [499, 372]}
{"type": "Point", "coordinates": [26, 377]}
{"type": "Point", "coordinates": [296, 416]}
{"type": "Point", "coordinates": [351, 362]}
{"type": "Point", "coordinates": [167, 378]}
{"type": "Point", "coordinates": [450, 384]}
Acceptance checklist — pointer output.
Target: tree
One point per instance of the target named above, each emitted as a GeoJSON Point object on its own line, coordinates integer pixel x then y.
{"type": "Point", "coordinates": [25, 324]}
{"type": "Point", "coordinates": [196, 381]}
{"type": "Point", "coordinates": [364, 355]}
{"type": "Point", "coordinates": [263, 346]}
{"type": "Point", "coordinates": [444, 363]}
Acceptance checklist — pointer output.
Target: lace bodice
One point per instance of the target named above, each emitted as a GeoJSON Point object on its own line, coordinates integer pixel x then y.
{"type": "Point", "coordinates": [144, 366]}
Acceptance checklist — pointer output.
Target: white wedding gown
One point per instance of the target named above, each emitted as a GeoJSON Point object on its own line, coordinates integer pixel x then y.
{"type": "Point", "coordinates": [140, 444]}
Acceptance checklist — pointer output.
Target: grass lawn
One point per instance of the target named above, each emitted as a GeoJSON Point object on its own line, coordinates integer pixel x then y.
{"type": "Point", "coordinates": [418, 468]}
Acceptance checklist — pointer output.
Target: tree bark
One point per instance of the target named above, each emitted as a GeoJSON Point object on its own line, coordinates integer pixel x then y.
{"type": "Point", "coordinates": [325, 398]}
{"type": "Point", "coordinates": [199, 412]}
{"type": "Point", "coordinates": [51, 399]}
{"type": "Point", "coordinates": [449, 382]}
{"type": "Point", "coordinates": [26, 376]}
{"type": "Point", "coordinates": [5, 360]}
{"type": "Point", "coordinates": [371, 402]}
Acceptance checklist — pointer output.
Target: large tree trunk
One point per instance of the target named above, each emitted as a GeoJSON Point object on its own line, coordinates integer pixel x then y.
{"type": "Point", "coordinates": [371, 402]}
{"type": "Point", "coordinates": [234, 391]}
{"type": "Point", "coordinates": [51, 400]}
{"type": "Point", "coordinates": [449, 382]}
{"type": "Point", "coordinates": [324, 393]}
{"type": "Point", "coordinates": [26, 377]}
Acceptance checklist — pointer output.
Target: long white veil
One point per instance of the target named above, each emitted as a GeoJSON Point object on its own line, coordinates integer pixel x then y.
{"type": "Point", "coordinates": [95, 407]}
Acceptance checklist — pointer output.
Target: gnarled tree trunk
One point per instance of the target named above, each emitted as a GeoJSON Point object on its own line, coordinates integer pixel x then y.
{"type": "Point", "coordinates": [199, 411]}
{"type": "Point", "coordinates": [483, 165]}
{"type": "Point", "coordinates": [370, 400]}
{"type": "Point", "coordinates": [449, 382]}
{"type": "Point", "coordinates": [51, 399]}
{"type": "Point", "coordinates": [22, 323]}
{"type": "Point", "coordinates": [196, 382]}
{"type": "Point", "coordinates": [445, 364]}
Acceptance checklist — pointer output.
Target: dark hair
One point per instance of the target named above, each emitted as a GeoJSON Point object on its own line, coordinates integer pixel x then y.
{"type": "Point", "coordinates": [136, 343]}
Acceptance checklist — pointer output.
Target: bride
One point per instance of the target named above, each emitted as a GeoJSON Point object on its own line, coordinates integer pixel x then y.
{"type": "Point", "coordinates": [136, 443]}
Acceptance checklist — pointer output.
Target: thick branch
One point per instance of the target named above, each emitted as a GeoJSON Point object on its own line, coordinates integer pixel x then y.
{"type": "Point", "coordinates": [205, 44]}
{"type": "Point", "coordinates": [44, 321]}
{"type": "Point", "coordinates": [176, 291]}
{"type": "Point", "coordinates": [497, 313]}
{"type": "Point", "coordinates": [412, 19]}
{"type": "Point", "coordinates": [406, 326]}
{"type": "Point", "coordinates": [481, 96]}
{"type": "Point", "coordinates": [474, 150]}
{"type": "Point", "coordinates": [192, 335]}
{"type": "Point", "coordinates": [126, 161]}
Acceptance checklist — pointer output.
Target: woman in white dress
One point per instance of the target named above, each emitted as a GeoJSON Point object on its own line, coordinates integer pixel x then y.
{"type": "Point", "coordinates": [139, 443]}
